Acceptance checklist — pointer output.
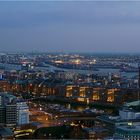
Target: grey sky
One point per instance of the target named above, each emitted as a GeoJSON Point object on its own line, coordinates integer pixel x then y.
{"type": "Point", "coordinates": [70, 26]}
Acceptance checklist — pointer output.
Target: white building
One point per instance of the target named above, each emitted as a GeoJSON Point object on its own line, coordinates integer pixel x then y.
{"type": "Point", "coordinates": [128, 113]}
{"type": "Point", "coordinates": [22, 113]}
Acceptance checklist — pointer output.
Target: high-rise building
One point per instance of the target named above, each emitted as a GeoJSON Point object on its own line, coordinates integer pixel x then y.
{"type": "Point", "coordinates": [22, 113]}
{"type": "Point", "coordinates": [2, 115]}
{"type": "Point", "coordinates": [1, 100]}
{"type": "Point", "coordinates": [13, 111]}
{"type": "Point", "coordinates": [11, 114]}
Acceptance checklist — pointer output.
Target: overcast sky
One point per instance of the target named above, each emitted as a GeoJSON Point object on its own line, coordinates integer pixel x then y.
{"type": "Point", "coordinates": [70, 26]}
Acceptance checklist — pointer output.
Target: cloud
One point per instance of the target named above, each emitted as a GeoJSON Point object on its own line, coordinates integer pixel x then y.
{"type": "Point", "coordinates": [80, 26]}
{"type": "Point", "coordinates": [27, 14]}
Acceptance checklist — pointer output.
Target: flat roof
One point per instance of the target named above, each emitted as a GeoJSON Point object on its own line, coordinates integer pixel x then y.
{"type": "Point", "coordinates": [114, 120]}
{"type": "Point", "coordinates": [130, 128]}
{"type": "Point", "coordinates": [4, 131]}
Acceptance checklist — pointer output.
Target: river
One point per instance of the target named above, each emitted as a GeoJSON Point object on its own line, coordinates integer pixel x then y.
{"type": "Point", "coordinates": [101, 71]}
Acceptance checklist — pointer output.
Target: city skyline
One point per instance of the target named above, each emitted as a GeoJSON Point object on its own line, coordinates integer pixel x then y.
{"type": "Point", "coordinates": [73, 96]}
{"type": "Point", "coordinates": [69, 69]}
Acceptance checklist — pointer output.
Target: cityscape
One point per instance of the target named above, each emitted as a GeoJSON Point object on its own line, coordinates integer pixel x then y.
{"type": "Point", "coordinates": [69, 96]}
{"type": "Point", "coordinates": [69, 70]}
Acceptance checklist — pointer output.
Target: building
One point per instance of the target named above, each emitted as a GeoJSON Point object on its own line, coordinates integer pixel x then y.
{"type": "Point", "coordinates": [129, 132]}
{"type": "Point", "coordinates": [7, 109]}
{"type": "Point", "coordinates": [129, 113]}
{"type": "Point", "coordinates": [11, 114]}
{"type": "Point", "coordinates": [1, 100]}
{"type": "Point", "coordinates": [4, 85]}
{"type": "Point", "coordinates": [2, 115]}
{"type": "Point", "coordinates": [96, 133]}
{"type": "Point", "coordinates": [13, 111]}
{"type": "Point", "coordinates": [22, 113]}
{"type": "Point", "coordinates": [6, 133]}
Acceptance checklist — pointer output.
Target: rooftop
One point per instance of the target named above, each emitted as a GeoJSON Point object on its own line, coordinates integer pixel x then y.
{"type": "Point", "coordinates": [5, 132]}
{"type": "Point", "coordinates": [115, 119]}
{"type": "Point", "coordinates": [135, 128]}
